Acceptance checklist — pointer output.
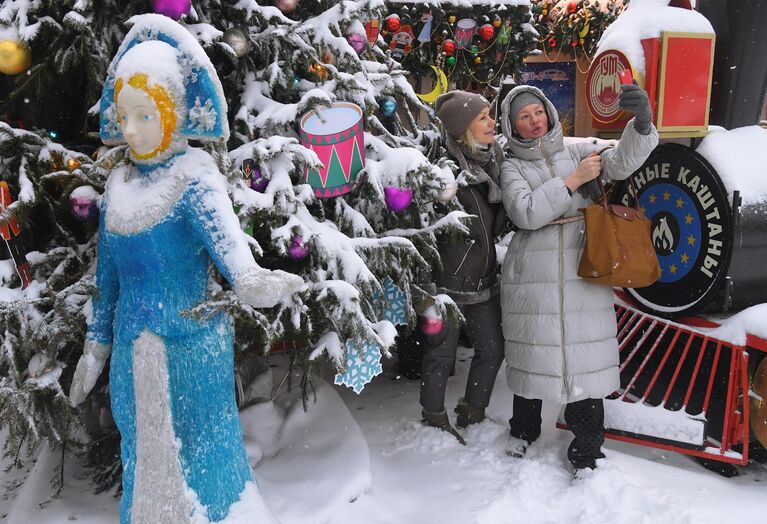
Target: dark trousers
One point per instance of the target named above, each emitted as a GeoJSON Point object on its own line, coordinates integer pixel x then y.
{"type": "Point", "coordinates": [585, 418]}
{"type": "Point", "coordinates": [483, 324]}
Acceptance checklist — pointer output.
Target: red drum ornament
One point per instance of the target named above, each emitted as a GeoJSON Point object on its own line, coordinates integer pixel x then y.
{"type": "Point", "coordinates": [464, 32]}
{"type": "Point", "coordinates": [338, 139]}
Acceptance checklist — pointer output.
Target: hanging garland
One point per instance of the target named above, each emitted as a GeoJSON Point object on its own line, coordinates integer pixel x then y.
{"type": "Point", "coordinates": [573, 26]}
{"type": "Point", "coordinates": [472, 45]}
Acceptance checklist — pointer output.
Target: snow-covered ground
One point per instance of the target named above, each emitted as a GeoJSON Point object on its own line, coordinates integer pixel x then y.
{"type": "Point", "coordinates": [317, 467]}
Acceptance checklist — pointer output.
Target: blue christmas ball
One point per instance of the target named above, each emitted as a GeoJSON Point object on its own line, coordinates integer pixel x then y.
{"type": "Point", "coordinates": [388, 106]}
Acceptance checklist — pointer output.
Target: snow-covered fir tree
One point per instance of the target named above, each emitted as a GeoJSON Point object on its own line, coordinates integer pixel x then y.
{"type": "Point", "coordinates": [276, 67]}
{"type": "Point", "coordinates": [278, 61]}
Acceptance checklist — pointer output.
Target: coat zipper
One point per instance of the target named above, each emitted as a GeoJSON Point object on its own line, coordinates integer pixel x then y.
{"type": "Point", "coordinates": [562, 309]}
{"type": "Point", "coordinates": [484, 229]}
{"type": "Point", "coordinates": [464, 256]}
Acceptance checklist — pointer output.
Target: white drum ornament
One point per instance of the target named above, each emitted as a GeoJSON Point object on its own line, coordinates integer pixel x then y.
{"type": "Point", "coordinates": [337, 135]}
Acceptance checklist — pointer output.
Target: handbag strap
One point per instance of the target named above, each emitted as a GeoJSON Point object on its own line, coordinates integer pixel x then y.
{"type": "Point", "coordinates": [601, 184]}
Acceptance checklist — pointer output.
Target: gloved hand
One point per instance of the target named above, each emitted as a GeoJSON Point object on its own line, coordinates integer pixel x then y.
{"type": "Point", "coordinates": [89, 367]}
{"type": "Point", "coordinates": [261, 287]}
{"type": "Point", "coordinates": [633, 99]}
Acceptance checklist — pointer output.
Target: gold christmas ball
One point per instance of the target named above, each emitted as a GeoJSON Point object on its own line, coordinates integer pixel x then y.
{"type": "Point", "coordinates": [73, 164]}
{"type": "Point", "coordinates": [15, 57]}
{"type": "Point", "coordinates": [477, 59]}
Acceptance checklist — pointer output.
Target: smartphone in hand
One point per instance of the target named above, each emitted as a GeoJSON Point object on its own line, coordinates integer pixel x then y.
{"type": "Point", "coordinates": [626, 77]}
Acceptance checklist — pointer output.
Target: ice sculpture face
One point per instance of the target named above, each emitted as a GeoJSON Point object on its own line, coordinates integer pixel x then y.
{"type": "Point", "coordinates": [146, 115]}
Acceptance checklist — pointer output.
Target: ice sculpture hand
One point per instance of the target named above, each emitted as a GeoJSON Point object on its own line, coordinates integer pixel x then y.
{"type": "Point", "coordinates": [95, 355]}
{"type": "Point", "coordinates": [264, 288]}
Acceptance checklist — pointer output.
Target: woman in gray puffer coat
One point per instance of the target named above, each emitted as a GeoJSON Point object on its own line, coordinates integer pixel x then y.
{"type": "Point", "coordinates": [559, 330]}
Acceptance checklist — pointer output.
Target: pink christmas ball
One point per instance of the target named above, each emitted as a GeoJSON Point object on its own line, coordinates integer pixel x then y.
{"type": "Point", "coordinates": [172, 8]}
{"type": "Point", "coordinates": [397, 199]}
{"type": "Point", "coordinates": [298, 250]}
{"type": "Point", "coordinates": [85, 208]}
{"type": "Point", "coordinates": [357, 41]}
{"type": "Point", "coordinates": [431, 326]}
{"type": "Point", "coordinates": [286, 6]}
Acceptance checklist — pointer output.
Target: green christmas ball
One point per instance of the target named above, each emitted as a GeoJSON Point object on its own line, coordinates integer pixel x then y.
{"type": "Point", "coordinates": [450, 61]}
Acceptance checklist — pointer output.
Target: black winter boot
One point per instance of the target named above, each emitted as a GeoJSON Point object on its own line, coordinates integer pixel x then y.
{"type": "Point", "coordinates": [468, 414]}
{"type": "Point", "coordinates": [441, 421]}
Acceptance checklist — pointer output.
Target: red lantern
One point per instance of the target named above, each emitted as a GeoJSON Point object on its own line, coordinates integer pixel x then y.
{"type": "Point", "coordinates": [572, 7]}
{"type": "Point", "coordinates": [552, 42]}
{"type": "Point", "coordinates": [392, 23]}
{"type": "Point", "coordinates": [448, 47]}
{"type": "Point", "coordinates": [486, 32]}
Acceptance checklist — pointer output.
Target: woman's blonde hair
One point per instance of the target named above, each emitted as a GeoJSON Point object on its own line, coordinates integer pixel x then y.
{"type": "Point", "coordinates": [468, 139]}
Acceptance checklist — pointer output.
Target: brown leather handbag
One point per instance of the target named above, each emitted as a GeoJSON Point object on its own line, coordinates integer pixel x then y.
{"type": "Point", "coordinates": [618, 250]}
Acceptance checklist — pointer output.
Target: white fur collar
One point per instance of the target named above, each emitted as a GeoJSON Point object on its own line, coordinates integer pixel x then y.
{"type": "Point", "coordinates": [136, 201]}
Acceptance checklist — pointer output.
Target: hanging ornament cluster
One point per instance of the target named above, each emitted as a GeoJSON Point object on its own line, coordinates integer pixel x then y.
{"type": "Point", "coordinates": [174, 9]}
{"type": "Point", "coordinates": [463, 43]}
{"type": "Point", "coordinates": [574, 26]}
{"type": "Point", "coordinates": [15, 57]}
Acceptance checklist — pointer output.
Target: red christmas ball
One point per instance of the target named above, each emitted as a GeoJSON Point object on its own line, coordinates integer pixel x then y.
{"type": "Point", "coordinates": [574, 43]}
{"type": "Point", "coordinates": [572, 7]}
{"type": "Point", "coordinates": [486, 32]}
{"type": "Point", "coordinates": [552, 42]}
{"type": "Point", "coordinates": [448, 47]}
{"type": "Point", "coordinates": [392, 23]}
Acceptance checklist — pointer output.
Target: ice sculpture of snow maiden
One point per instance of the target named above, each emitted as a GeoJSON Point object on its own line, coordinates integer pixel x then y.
{"type": "Point", "coordinates": [164, 216]}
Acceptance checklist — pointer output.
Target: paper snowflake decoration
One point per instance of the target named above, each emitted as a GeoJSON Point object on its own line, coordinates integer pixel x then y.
{"type": "Point", "coordinates": [392, 304]}
{"type": "Point", "coordinates": [202, 117]}
{"type": "Point", "coordinates": [360, 369]}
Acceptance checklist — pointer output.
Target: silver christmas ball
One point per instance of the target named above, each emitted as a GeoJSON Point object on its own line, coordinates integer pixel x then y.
{"type": "Point", "coordinates": [237, 40]}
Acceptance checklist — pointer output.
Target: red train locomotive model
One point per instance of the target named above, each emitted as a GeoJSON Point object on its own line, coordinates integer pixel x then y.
{"type": "Point", "coordinates": [686, 386]}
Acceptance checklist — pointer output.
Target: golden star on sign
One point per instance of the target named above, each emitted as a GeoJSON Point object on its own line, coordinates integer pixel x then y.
{"type": "Point", "coordinates": [688, 219]}
{"type": "Point", "coordinates": [690, 240]}
{"type": "Point", "coordinates": [672, 268]}
{"type": "Point", "coordinates": [679, 202]}
{"type": "Point", "coordinates": [653, 198]}
{"type": "Point", "coordinates": [685, 258]}
{"type": "Point", "coordinates": [643, 210]}
{"type": "Point", "coordinates": [666, 195]}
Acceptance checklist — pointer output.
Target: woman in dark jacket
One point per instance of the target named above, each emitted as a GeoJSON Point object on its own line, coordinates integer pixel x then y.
{"type": "Point", "coordinates": [468, 274]}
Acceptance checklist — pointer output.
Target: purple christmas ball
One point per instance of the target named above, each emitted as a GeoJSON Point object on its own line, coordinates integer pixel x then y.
{"type": "Point", "coordinates": [398, 199]}
{"type": "Point", "coordinates": [298, 250]}
{"type": "Point", "coordinates": [257, 181]}
{"type": "Point", "coordinates": [172, 8]}
{"type": "Point", "coordinates": [357, 41]}
{"type": "Point", "coordinates": [85, 203]}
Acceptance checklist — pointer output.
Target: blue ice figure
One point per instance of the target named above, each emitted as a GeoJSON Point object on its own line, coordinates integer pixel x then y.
{"type": "Point", "coordinates": [165, 217]}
